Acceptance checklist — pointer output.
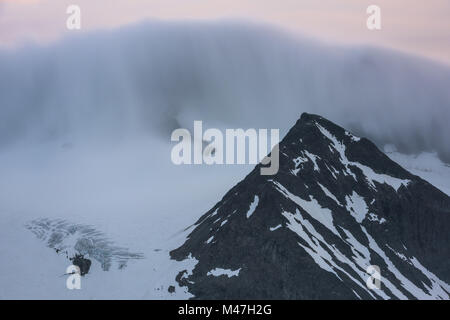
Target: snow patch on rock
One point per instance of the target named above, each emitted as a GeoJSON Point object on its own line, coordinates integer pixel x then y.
{"type": "Point", "coordinates": [217, 272]}
{"type": "Point", "coordinates": [253, 206]}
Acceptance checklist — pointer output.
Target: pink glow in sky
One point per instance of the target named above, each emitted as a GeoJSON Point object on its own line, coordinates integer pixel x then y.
{"type": "Point", "coordinates": [419, 27]}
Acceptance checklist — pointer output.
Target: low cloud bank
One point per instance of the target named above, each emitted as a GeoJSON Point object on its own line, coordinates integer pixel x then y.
{"type": "Point", "coordinates": [153, 77]}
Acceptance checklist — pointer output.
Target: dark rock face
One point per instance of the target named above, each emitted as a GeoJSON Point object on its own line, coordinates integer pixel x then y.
{"type": "Point", "coordinates": [336, 206]}
{"type": "Point", "coordinates": [81, 262]}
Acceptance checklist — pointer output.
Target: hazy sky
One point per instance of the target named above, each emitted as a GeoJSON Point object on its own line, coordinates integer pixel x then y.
{"type": "Point", "coordinates": [420, 27]}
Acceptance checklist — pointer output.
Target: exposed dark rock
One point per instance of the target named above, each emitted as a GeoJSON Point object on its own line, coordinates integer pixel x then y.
{"type": "Point", "coordinates": [81, 262]}
{"type": "Point", "coordinates": [337, 205]}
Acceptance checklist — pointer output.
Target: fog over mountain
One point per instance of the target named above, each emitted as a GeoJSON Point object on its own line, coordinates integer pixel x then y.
{"type": "Point", "coordinates": [153, 77]}
{"type": "Point", "coordinates": [85, 128]}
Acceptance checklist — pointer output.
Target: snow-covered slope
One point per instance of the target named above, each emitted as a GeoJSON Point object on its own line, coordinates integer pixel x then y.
{"type": "Point", "coordinates": [122, 192]}
{"type": "Point", "coordinates": [426, 165]}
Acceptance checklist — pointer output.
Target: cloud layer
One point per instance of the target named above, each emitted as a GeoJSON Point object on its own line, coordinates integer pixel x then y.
{"type": "Point", "coordinates": [151, 78]}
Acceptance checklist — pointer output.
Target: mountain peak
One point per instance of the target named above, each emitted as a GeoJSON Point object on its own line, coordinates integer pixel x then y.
{"type": "Point", "coordinates": [311, 118]}
{"type": "Point", "coordinates": [304, 117]}
{"type": "Point", "coordinates": [325, 139]}
{"type": "Point", "coordinates": [336, 206]}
